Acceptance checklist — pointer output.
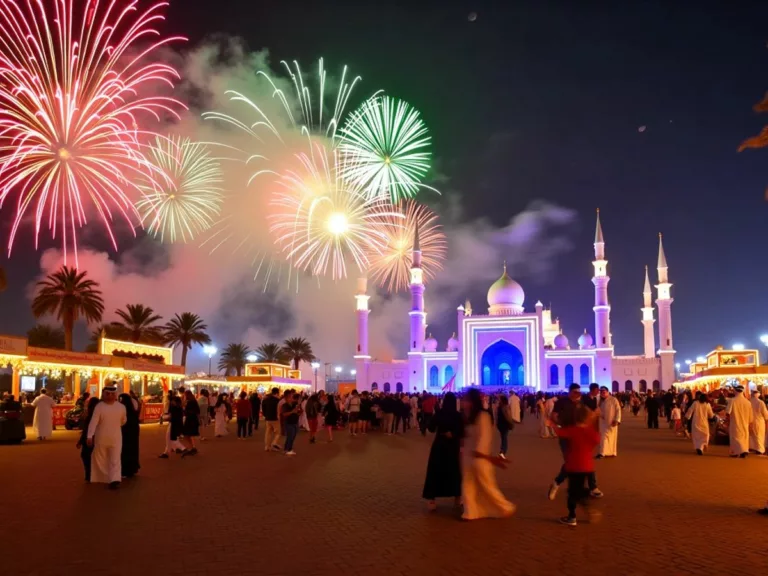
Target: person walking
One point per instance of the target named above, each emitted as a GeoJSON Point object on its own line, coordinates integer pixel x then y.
{"type": "Point", "coordinates": [42, 423]}
{"type": "Point", "coordinates": [366, 412]}
{"type": "Point", "coordinates": [312, 413]}
{"type": "Point", "coordinates": [129, 453]}
{"type": "Point", "coordinates": [205, 414]}
{"type": "Point", "coordinates": [353, 410]}
{"type": "Point", "coordinates": [272, 432]}
{"type": "Point", "coordinates": [106, 438]}
{"type": "Point", "coordinates": [582, 437]}
{"type": "Point", "coordinates": [255, 413]}
{"type": "Point", "coordinates": [243, 408]}
{"type": "Point", "coordinates": [757, 430]}
{"type": "Point", "coordinates": [175, 429]}
{"type": "Point", "coordinates": [443, 478]}
{"type": "Point", "coordinates": [428, 403]}
{"type": "Point", "coordinates": [191, 423]}
{"type": "Point", "coordinates": [221, 416]}
{"type": "Point", "coordinates": [699, 414]}
{"type": "Point", "coordinates": [741, 419]}
{"type": "Point", "coordinates": [86, 451]}
{"type": "Point", "coordinates": [481, 495]}
{"type": "Point", "coordinates": [504, 424]}
{"type": "Point", "coordinates": [331, 416]}
{"type": "Point", "coordinates": [652, 410]}
{"type": "Point", "coordinates": [609, 420]}
{"type": "Point", "coordinates": [291, 413]}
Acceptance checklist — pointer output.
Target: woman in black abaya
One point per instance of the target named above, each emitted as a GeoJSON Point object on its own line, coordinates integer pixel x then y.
{"type": "Point", "coordinates": [444, 466]}
{"type": "Point", "coordinates": [129, 457]}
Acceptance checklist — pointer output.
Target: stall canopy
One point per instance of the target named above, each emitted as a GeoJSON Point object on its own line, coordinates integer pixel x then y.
{"type": "Point", "coordinates": [722, 368]}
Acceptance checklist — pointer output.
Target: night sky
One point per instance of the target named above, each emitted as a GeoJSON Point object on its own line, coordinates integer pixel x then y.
{"type": "Point", "coordinates": [544, 100]}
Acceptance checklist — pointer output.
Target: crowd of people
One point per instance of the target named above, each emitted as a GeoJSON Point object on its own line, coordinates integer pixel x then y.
{"type": "Point", "coordinates": [462, 459]}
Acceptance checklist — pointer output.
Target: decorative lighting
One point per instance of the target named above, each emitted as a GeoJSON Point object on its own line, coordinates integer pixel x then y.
{"type": "Point", "coordinates": [737, 346]}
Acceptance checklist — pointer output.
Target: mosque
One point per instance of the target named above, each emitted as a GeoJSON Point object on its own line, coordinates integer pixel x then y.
{"type": "Point", "coordinates": [510, 347]}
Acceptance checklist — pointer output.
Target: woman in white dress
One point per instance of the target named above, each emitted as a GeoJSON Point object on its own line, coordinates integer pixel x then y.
{"type": "Point", "coordinates": [221, 417]}
{"type": "Point", "coordinates": [480, 493]}
{"type": "Point", "coordinates": [700, 413]}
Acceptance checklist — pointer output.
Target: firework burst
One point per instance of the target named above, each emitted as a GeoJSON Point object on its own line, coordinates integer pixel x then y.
{"type": "Point", "coordinates": [183, 196]}
{"type": "Point", "coordinates": [390, 145]}
{"type": "Point", "coordinates": [323, 223]}
{"type": "Point", "coordinates": [71, 89]}
{"type": "Point", "coordinates": [390, 267]}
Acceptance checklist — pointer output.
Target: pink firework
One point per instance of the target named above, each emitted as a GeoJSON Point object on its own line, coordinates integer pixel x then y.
{"type": "Point", "coordinates": [73, 81]}
{"type": "Point", "coordinates": [390, 267]}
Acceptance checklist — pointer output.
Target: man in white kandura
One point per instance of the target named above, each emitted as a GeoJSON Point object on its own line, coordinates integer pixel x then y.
{"type": "Point", "coordinates": [610, 418]}
{"type": "Point", "coordinates": [105, 435]}
{"type": "Point", "coordinates": [757, 431]}
{"type": "Point", "coordinates": [43, 420]}
{"type": "Point", "coordinates": [740, 422]}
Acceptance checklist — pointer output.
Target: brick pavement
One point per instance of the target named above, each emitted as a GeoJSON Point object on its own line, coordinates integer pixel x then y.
{"type": "Point", "coordinates": [353, 507]}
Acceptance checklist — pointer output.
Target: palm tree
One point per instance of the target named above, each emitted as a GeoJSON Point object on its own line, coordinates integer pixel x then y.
{"type": "Point", "coordinates": [108, 330]}
{"type": "Point", "coordinates": [137, 321]}
{"type": "Point", "coordinates": [184, 331]}
{"type": "Point", "coordinates": [69, 295]}
{"type": "Point", "coordinates": [46, 336]}
{"type": "Point", "coordinates": [271, 352]}
{"type": "Point", "coordinates": [298, 350]}
{"type": "Point", "coordinates": [233, 359]}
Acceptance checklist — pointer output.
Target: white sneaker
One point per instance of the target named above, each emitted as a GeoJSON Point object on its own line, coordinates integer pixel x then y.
{"type": "Point", "coordinates": [290, 453]}
{"type": "Point", "coordinates": [502, 456]}
{"type": "Point", "coordinates": [596, 493]}
{"type": "Point", "coordinates": [553, 491]}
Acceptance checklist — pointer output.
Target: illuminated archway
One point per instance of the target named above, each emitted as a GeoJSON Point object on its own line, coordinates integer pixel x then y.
{"type": "Point", "coordinates": [502, 365]}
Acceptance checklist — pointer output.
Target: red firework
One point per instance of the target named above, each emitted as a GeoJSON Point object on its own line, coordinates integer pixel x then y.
{"type": "Point", "coordinates": [73, 80]}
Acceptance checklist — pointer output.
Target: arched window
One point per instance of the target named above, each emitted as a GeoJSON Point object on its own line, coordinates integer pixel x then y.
{"type": "Point", "coordinates": [486, 375]}
{"type": "Point", "coordinates": [615, 386]}
{"type": "Point", "coordinates": [569, 375]}
{"type": "Point", "coordinates": [628, 386]}
{"type": "Point", "coordinates": [399, 387]}
{"type": "Point", "coordinates": [386, 387]}
{"type": "Point", "coordinates": [656, 385]}
{"type": "Point", "coordinates": [643, 386]}
{"type": "Point", "coordinates": [554, 379]}
{"type": "Point", "coordinates": [434, 376]}
{"type": "Point", "coordinates": [374, 386]}
{"type": "Point", "coordinates": [584, 375]}
{"type": "Point", "coordinates": [447, 374]}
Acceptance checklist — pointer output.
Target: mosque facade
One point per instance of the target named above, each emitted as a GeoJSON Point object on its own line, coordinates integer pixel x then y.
{"type": "Point", "coordinates": [510, 347]}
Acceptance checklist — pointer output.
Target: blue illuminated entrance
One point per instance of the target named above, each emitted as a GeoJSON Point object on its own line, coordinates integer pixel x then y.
{"type": "Point", "coordinates": [503, 365]}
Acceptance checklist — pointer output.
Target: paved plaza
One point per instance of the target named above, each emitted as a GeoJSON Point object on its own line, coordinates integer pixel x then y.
{"type": "Point", "coordinates": [354, 507]}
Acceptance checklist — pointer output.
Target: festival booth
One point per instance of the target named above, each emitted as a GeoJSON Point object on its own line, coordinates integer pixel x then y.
{"type": "Point", "coordinates": [259, 377]}
{"type": "Point", "coordinates": [726, 368]}
{"type": "Point", "coordinates": [126, 362]}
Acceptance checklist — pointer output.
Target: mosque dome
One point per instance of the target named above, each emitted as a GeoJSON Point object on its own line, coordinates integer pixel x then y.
{"type": "Point", "coordinates": [585, 340]}
{"type": "Point", "coordinates": [505, 296]}
{"type": "Point", "coordinates": [561, 342]}
{"type": "Point", "coordinates": [453, 343]}
{"type": "Point", "coordinates": [430, 344]}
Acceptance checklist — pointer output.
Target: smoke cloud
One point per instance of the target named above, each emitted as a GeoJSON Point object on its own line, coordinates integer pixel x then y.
{"type": "Point", "coordinates": [243, 293]}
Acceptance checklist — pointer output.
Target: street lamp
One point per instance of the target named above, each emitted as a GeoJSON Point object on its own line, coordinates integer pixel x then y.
{"type": "Point", "coordinates": [353, 372]}
{"type": "Point", "coordinates": [252, 358]}
{"type": "Point", "coordinates": [700, 359]}
{"type": "Point", "coordinates": [764, 340]}
{"type": "Point", "coordinates": [677, 367]}
{"type": "Point", "coordinates": [211, 351]}
{"type": "Point", "coordinates": [737, 346]}
{"type": "Point", "coordinates": [687, 362]}
{"type": "Point", "coordinates": [315, 366]}
{"type": "Point", "coordinates": [338, 370]}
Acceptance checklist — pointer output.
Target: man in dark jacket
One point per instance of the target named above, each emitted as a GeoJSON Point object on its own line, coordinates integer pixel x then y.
{"type": "Point", "coordinates": [652, 409]}
{"type": "Point", "coordinates": [272, 433]}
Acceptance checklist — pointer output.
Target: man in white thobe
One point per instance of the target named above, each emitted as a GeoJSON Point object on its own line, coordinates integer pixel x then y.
{"type": "Point", "coordinates": [43, 420]}
{"type": "Point", "coordinates": [106, 437]}
{"type": "Point", "coordinates": [514, 407]}
{"type": "Point", "coordinates": [757, 431]}
{"type": "Point", "coordinates": [610, 418]}
{"type": "Point", "coordinates": [741, 418]}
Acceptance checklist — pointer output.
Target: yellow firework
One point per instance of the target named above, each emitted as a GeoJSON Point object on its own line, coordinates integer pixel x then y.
{"type": "Point", "coordinates": [390, 267]}
{"type": "Point", "coordinates": [183, 197]}
{"type": "Point", "coordinates": [322, 223]}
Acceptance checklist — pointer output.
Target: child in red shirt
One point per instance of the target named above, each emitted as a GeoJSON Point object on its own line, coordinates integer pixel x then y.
{"type": "Point", "coordinates": [582, 439]}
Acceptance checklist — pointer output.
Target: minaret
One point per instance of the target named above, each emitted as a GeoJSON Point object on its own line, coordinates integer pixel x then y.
{"type": "Point", "coordinates": [417, 374]}
{"type": "Point", "coordinates": [664, 304]}
{"type": "Point", "coordinates": [417, 313]}
{"type": "Point", "coordinates": [362, 359]}
{"type": "Point", "coordinates": [647, 309]}
{"type": "Point", "coordinates": [602, 308]}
